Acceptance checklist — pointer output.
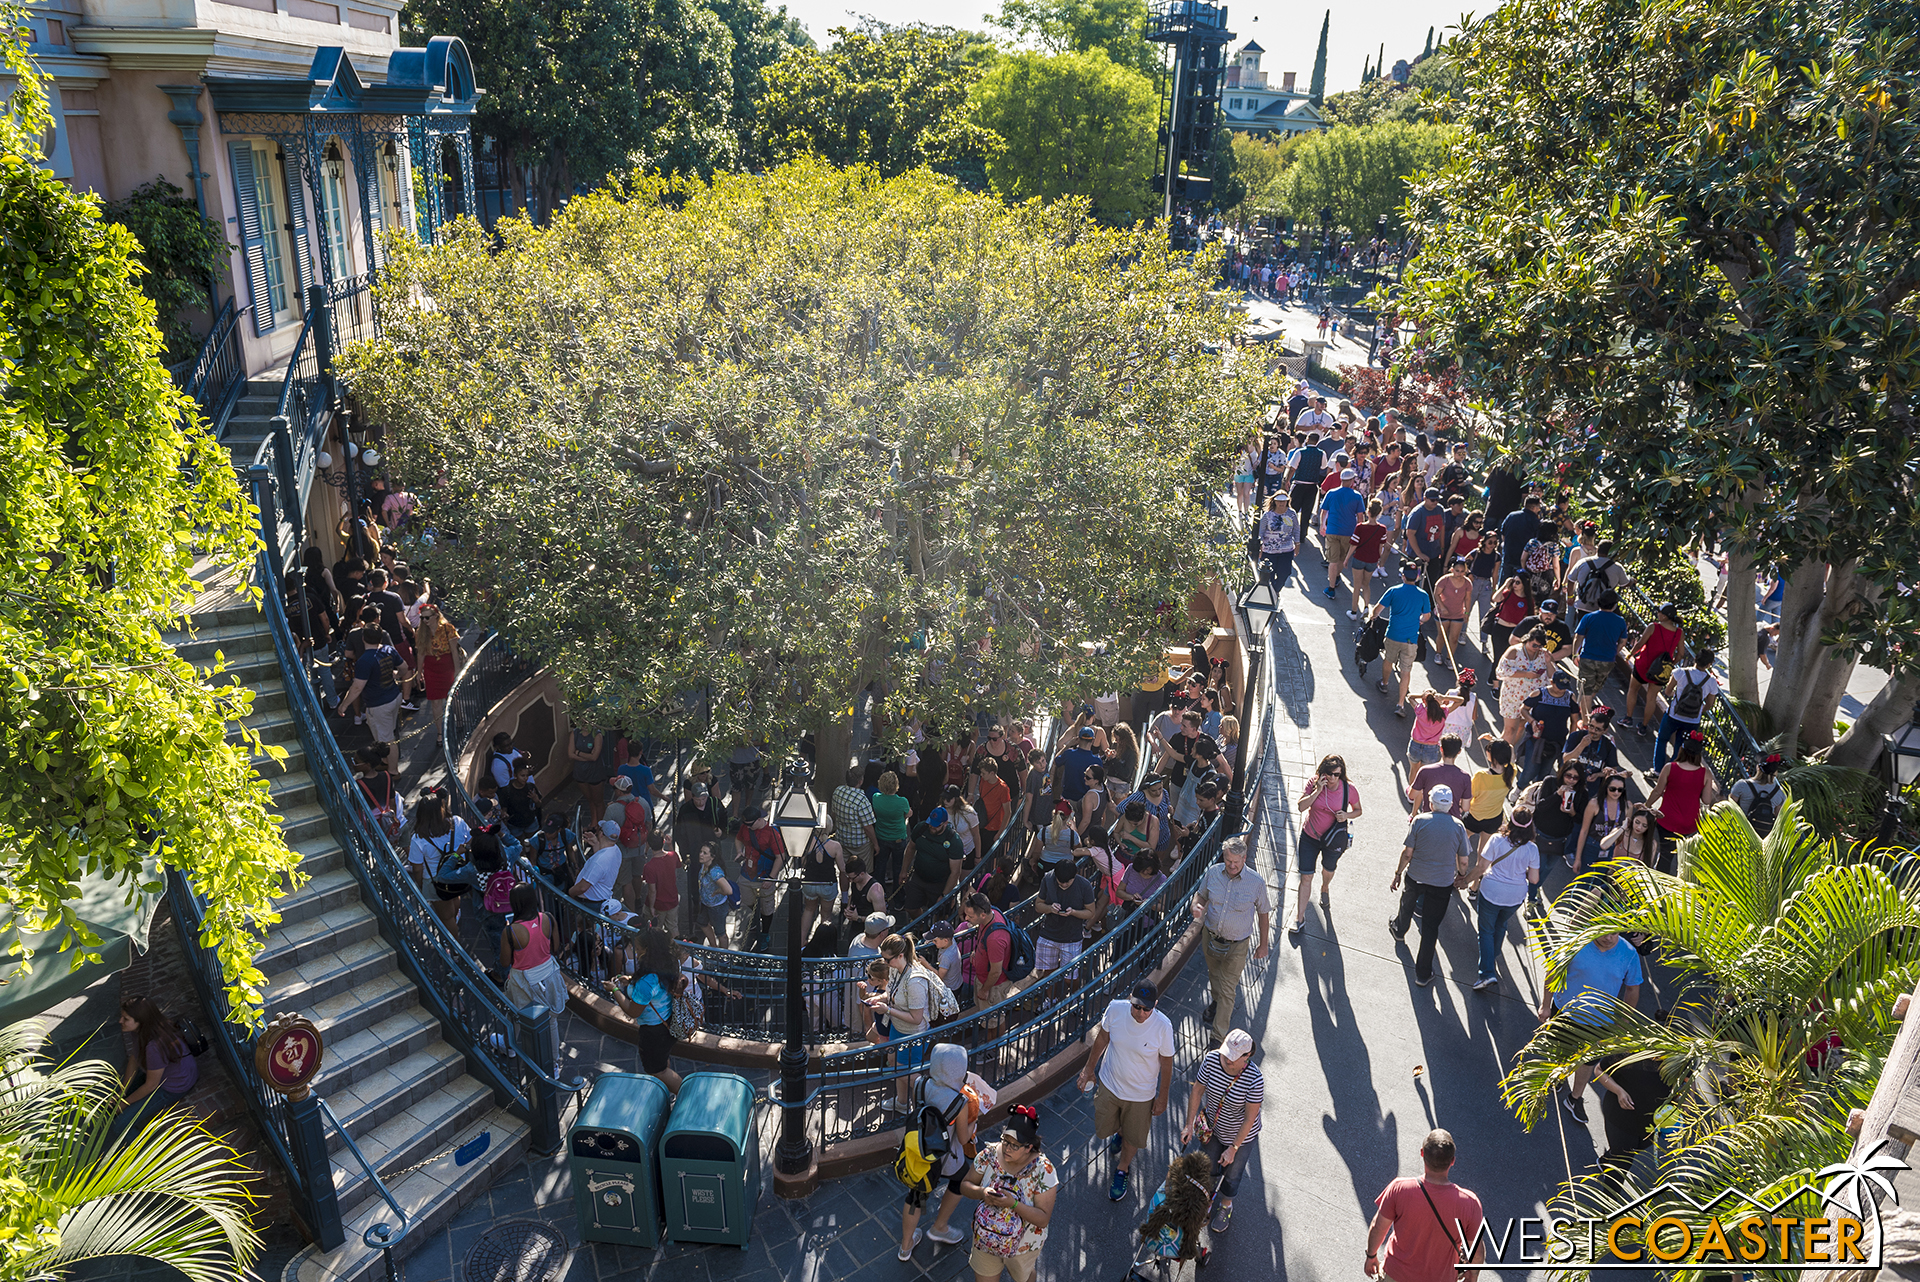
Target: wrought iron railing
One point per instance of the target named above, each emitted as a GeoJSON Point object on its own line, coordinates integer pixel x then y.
{"type": "Point", "coordinates": [218, 375]}
{"type": "Point", "coordinates": [350, 310]}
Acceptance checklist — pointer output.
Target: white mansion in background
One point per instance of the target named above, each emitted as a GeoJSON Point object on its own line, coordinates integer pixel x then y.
{"type": "Point", "coordinates": [1250, 104]}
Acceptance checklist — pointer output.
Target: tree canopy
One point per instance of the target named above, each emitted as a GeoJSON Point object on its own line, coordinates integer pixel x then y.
{"type": "Point", "coordinates": [1261, 160]}
{"type": "Point", "coordinates": [112, 750]}
{"type": "Point", "coordinates": [1677, 250]}
{"type": "Point", "coordinates": [1360, 172]}
{"type": "Point", "coordinates": [724, 460]}
{"type": "Point", "coordinates": [1072, 124]}
{"type": "Point", "coordinates": [1116, 27]}
{"type": "Point", "coordinates": [894, 98]}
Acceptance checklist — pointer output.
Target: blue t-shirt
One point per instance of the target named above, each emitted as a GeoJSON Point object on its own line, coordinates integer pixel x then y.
{"type": "Point", "coordinates": [1601, 632]}
{"type": "Point", "coordinates": [1073, 775]}
{"type": "Point", "coordinates": [1593, 970]}
{"type": "Point", "coordinates": [640, 776]}
{"type": "Point", "coordinates": [1342, 507]}
{"type": "Point", "coordinates": [379, 690]}
{"type": "Point", "coordinates": [1405, 603]}
{"type": "Point", "coordinates": [711, 893]}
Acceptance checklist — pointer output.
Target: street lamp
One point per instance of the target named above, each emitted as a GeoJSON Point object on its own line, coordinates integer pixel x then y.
{"type": "Point", "coordinates": [1256, 609]}
{"type": "Point", "coordinates": [1903, 752]}
{"type": "Point", "coordinates": [797, 815]}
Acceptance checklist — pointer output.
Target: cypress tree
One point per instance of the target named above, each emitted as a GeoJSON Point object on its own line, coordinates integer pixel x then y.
{"type": "Point", "coordinates": [1317, 89]}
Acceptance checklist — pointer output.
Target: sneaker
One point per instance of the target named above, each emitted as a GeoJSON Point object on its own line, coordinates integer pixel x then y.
{"type": "Point", "coordinates": [1575, 1105]}
{"type": "Point", "coordinates": [1353, 614]}
{"type": "Point", "coordinates": [1399, 709]}
{"type": "Point", "coordinates": [1424, 983]}
{"type": "Point", "coordinates": [1118, 1189]}
{"type": "Point", "coordinates": [1222, 1217]}
{"type": "Point", "coordinates": [1326, 902]}
{"type": "Point", "coordinates": [1330, 594]}
{"type": "Point", "coordinates": [1394, 929]}
{"type": "Point", "coordinates": [408, 705]}
{"type": "Point", "coordinates": [1381, 686]}
{"type": "Point", "coordinates": [1480, 986]}
{"type": "Point", "coordinates": [907, 1254]}
{"type": "Point", "coordinates": [1213, 1008]}
{"type": "Point", "coordinates": [949, 1236]}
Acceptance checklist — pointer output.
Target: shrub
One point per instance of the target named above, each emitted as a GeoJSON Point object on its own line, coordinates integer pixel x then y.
{"type": "Point", "coordinates": [180, 249]}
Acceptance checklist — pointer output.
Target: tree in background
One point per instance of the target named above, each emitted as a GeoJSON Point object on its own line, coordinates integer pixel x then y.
{"type": "Point", "coordinates": [1678, 252]}
{"type": "Point", "coordinates": [579, 90]}
{"type": "Point", "coordinates": [761, 37]}
{"type": "Point", "coordinates": [1361, 172]}
{"type": "Point", "coordinates": [1119, 27]}
{"type": "Point", "coordinates": [113, 751]}
{"type": "Point", "coordinates": [895, 98]}
{"type": "Point", "coordinates": [1073, 124]}
{"type": "Point", "coordinates": [182, 251]}
{"type": "Point", "coordinates": [725, 459]}
{"type": "Point", "coordinates": [1377, 99]}
{"type": "Point", "coordinates": [1261, 160]}
{"type": "Point", "coordinates": [1317, 87]}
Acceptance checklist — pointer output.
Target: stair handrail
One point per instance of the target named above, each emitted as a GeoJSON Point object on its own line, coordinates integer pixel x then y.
{"type": "Point", "coordinates": [472, 1011]}
{"type": "Point", "coordinates": [380, 1236]}
{"type": "Point", "coordinates": [219, 371]}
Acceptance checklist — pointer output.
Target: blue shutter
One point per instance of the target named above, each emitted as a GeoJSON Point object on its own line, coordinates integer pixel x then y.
{"type": "Point", "coordinates": [253, 236]}
{"type": "Point", "coordinates": [297, 224]}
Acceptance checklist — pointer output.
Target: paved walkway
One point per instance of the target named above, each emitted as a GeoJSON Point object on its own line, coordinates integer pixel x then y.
{"type": "Point", "coordinates": [1359, 1062]}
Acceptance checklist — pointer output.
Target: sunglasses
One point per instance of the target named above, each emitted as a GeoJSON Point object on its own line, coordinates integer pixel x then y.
{"type": "Point", "coordinates": [1617, 788]}
{"type": "Point", "coordinates": [1139, 1006]}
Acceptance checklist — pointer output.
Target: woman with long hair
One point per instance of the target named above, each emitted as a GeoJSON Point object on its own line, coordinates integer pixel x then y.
{"type": "Point", "coordinates": [647, 998]}
{"type": "Point", "coordinates": [1635, 838]}
{"type": "Point", "coordinates": [160, 1071]}
{"type": "Point", "coordinates": [1056, 841]}
{"type": "Point", "coordinates": [1509, 604]}
{"type": "Point", "coordinates": [1506, 873]}
{"type": "Point", "coordinates": [1429, 723]}
{"type": "Point", "coordinates": [1123, 758]}
{"type": "Point", "coordinates": [1522, 672]}
{"type": "Point", "coordinates": [437, 852]}
{"type": "Point", "coordinates": [1606, 811]}
{"type": "Point", "coordinates": [1684, 788]}
{"type": "Point", "coordinates": [1491, 786]}
{"type": "Point", "coordinates": [526, 952]}
{"type": "Point", "coordinates": [908, 1005]}
{"type": "Point", "coordinates": [440, 659]}
{"type": "Point", "coordinates": [1330, 802]}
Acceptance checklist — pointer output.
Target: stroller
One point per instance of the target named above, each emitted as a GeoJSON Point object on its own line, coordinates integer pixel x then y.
{"type": "Point", "coordinates": [1369, 642]}
{"type": "Point", "coordinates": [1171, 1234]}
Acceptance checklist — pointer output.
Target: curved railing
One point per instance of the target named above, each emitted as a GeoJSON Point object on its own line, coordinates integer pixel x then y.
{"type": "Point", "coordinates": [219, 372]}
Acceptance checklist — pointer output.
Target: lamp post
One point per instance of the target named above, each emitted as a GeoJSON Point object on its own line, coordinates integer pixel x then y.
{"type": "Point", "coordinates": [1256, 612]}
{"type": "Point", "coordinates": [1903, 763]}
{"type": "Point", "coordinates": [796, 814]}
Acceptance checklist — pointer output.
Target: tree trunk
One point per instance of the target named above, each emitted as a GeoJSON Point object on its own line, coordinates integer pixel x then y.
{"type": "Point", "coordinates": [832, 755]}
{"type": "Point", "coordinates": [1743, 650]}
{"type": "Point", "coordinates": [1823, 700]}
{"type": "Point", "coordinates": [1860, 746]}
{"type": "Point", "coordinates": [1799, 655]}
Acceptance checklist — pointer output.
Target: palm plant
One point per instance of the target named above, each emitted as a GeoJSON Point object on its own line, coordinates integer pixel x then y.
{"type": "Point", "coordinates": [171, 1191]}
{"type": "Point", "coordinates": [1780, 944]}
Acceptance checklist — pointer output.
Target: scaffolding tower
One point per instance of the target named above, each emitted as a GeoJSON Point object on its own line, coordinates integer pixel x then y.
{"type": "Point", "coordinates": [1196, 33]}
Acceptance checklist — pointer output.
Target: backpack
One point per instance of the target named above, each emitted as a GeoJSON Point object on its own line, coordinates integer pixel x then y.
{"type": "Point", "coordinates": [633, 828]}
{"type": "Point", "coordinates": [384, 813]}
{"type": "Point", "coordinates": [940, 998]}
{"type": "Point", "coordinates": [1595, 583]}
{"type": "Point", "coordinates": [1312, 461]}
{"type": "Point", "coordinates": [1371, 639]}
{"type": "Point", "coordinates": [196, 1041]}
{"type": "Point", "coordinates": [499, 893]}
{"type": "Point", "coordinates": [1764, 807]}
{"type": "Point", "coordinates": [1538, 557]}
{"type": "Point", "coordinates": [506, 762]}
{"type": "Point", "coordinates": [1691, 698]}
{"type": "Point", "coordinates": [1019, 950]}
{"type": "Point", "coordinates": [925, 1145]}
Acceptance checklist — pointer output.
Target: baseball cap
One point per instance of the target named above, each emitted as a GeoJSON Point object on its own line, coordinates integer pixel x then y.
{"type": "Point", "coordinates": [1238, 1044]}
{"type": "Point", "coordinates": [608, 828]}
{"type": "Point", "coordinates": [1144, 994]}
{"type": "Point", "coordinates": [1439, 797]}
{"type": "Point", "coordinates": [1433, 492]}
{"type": "Point", "coordinates": [936, 816]}
{"type": "Point", "coordinates": [1670, 610]}
{"type": "Point", "coordinates": [940, 930]}
{"type": "Point", "coordinates": [1550, 604]}
{"type": "Point", "coordinates": [620, 783]}
{"type": "Point", "coordinates": [553, 822]}
{"type": "Point", "coordinates": [701, 792]}
{"type": "Point", "coordinates": [1086, 732]}
{"type": "Point", "coordinates": [1559, 678]}
{"type": "Point", "coordinates": [1410, 571]}
{"type": "Point", "coordinates": [878, 922]}
{"type": "Point", "coordinates": [1062, 807]}
{"type": "Point", "coordinates": [754, 814]}
{"type": "Point", "coordinates": [1085, 710]}
{"type": "Point", "coordinates": [1348, 474]}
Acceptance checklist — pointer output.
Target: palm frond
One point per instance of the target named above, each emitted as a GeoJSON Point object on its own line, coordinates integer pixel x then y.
{"type": "Point", "coordinates": [1837, 914]}
{"type": "Point", "coordinates": [1836, 799]}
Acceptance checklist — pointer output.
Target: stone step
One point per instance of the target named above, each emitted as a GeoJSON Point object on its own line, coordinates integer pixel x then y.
{"type": "Point", "coordinates": [413, 1136]}
{"type": "Point", "coordinates": [379, 997]}
{"type": "Point", "coordinates": [355, 1058]}
{"type": "Point", "coordinates": [277, 726]}
{"type": "Point", "coordinates": [305, 984]}
{"type": "Point", "coordinates": [295, 943]}
{"type": "Point", "coordinates": [267, 768]}
{"type": "Point", "coordinates": [321, 854]}
{"type": "Point", "coordinates": [231, 640]}
{"type": "Point", "coordinates": [246, 669]}
{"type": "Point", "coordinates": [324, 892]}
{"type": "Point", "coordinates": [430, 1196]}
{"type": "Point", "coordinates": [304, 822]}
{"type": "Point", "coordinates": [390, 1090]}
{"type": "Point", "coordinates": [291, 790]}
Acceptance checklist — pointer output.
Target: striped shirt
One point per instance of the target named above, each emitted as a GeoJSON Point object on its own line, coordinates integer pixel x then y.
{"type": "Point", "coordinates": [1224, 1098]}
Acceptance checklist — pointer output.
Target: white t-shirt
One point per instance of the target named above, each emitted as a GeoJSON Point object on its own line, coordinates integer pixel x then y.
{"type": "Point", "coordinates": [600, 872]}
{"type": "Point", "coordinates": [1505, 884]}
{"type": "Point", "coordinates": [431, 850]}
{"type": "Point", "coordinates": [1131, 1066]}
{"type": "Point", "coordinates": [1684, 679]}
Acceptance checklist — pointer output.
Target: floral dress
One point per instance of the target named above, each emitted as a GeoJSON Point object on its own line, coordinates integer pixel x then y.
{"type": "Point", "coordinates": [1520, 679]}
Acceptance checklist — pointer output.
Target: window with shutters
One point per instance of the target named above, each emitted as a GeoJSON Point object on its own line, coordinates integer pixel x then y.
{"type": "Point", "coordinates": [333, 213]}
{"type": "Point", "coordinates": [265, 167]}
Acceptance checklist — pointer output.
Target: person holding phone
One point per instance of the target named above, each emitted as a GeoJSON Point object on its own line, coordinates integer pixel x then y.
{"type": "Point", "coordinates": [1330, 802]}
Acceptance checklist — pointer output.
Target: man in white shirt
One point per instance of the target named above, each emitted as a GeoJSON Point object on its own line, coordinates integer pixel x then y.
{"type": "Point", "coordinates": [1316, 418]}
{"type": "Point", "coordinates": [600, 871]}
{"type": "Point", "coordinates": [1133, 1057]}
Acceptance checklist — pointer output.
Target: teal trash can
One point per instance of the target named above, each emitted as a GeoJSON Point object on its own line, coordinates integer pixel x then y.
{"type": "Point", "coordinates": [612, 1152]}
{"type": "Point", "coordinates": [710, 1161]}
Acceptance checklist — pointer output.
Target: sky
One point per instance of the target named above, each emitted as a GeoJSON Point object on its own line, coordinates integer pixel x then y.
{"type": "Point", "coordinates": [1288, 32]}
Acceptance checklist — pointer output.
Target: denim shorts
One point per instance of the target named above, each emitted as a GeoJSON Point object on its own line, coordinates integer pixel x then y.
{"type": "Point", "coordinates": [1424, 754]}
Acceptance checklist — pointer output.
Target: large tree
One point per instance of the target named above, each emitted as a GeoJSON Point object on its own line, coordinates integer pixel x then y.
{"type": "Point", "coordinates": [579, 90]}
{"type": "Point", "coordinates": [1116, 27]}
{"type": "Point", "coordinates": [1360, 172]}
{"type": "Point", "coordinates": [724, 462]}
{"type": "Point", "coordinates": [1677, 250]}
{"type": "Point", "coordinates": [1073, 124]}
{"type": "Point", "coordinates": [895, 98]}
{"type": "Point", "coordinates": [113, 751]}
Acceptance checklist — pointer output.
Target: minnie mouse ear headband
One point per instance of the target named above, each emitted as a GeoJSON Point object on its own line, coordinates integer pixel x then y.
{"type": "Point", "coordinates": [1694, 736]}
{"type": "Point", "coordinates": [1023, 1122]}
{"type": "Point", "coordinates": [1773, 760]}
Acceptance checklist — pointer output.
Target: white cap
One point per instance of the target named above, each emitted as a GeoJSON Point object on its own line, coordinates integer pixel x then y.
{"type": "Point", "coordinates": [1348, 474]}
{"type": "Point", "coordinates": [1439, 797]}
{"type": "Point", "coordinates": [1239, 1044]}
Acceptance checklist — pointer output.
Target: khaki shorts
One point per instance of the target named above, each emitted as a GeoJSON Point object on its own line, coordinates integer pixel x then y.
{"type": "Point", "coordinates": [987, 995]}
{"type": "Point", "coordinates": [1018, 1267]}
{"type": "Point", "coordinates": [1398, 656]}
{"type": "Point", "coordinates": [1593, 676]}
{"type": "Point", "coordinates": [1111, 1113]}
{"type": "Point", "coordinates": [1338, 546]}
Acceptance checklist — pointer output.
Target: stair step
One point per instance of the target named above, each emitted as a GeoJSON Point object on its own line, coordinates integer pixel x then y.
{"type": "Point", "coordinates": [268, 769]}
{"type": "Point", "coordinates": [304, 821]}
{"type": "Point", "coordinates": [231, 640]}
{"type": "Point", "coordinates": [319, 854]}
{"type": "Point", "coordinates": [277, 726]}
{"type": "Point", "coordinates": [392, 1089]}
{"type": "Point", "coordinates": [430, 1196]}
{"type": "Point", "coordinates": [412, 1136]}
{"type": "Point", "coordinates": [365, 1004]}
{"type": "Point", "coordinates": [324, 892]}
{"type": "Point", "coordinates": [309, 982]}
{"type": "Point", "coordinates": [294, 943]}
{"type": "Point", "coordinates": [358, 1056]}
{"type": "Point", "coordinates": [291, 790]}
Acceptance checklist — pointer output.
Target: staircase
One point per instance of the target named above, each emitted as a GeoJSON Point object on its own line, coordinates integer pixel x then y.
{"type": "Point", "coordinates": [247, 426]}
{"type": "Point", "coordinates": [395, 1083]}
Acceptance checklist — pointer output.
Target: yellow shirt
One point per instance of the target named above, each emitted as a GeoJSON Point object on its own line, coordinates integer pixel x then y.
{"type": "Point", "coordinates": [1489, 795]}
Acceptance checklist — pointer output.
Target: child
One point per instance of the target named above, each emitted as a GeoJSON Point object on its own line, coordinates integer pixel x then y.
{"type": "Point", "coordinates": [1179, 1208]}
{"type": "Point", "coordinates": [878, 973]}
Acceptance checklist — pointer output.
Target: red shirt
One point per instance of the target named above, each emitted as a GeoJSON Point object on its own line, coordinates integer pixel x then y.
{"type": "Point", "coordinates": [990, 946]}
{"type": "Point", "coordinates": [662, 872]}
{"type": "Point", "coordinates": [995, 800]}
{"type": "Point", "coordinates": [1368, 538]}
{"type": "Point", "coordinates": [1425, 1247]}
